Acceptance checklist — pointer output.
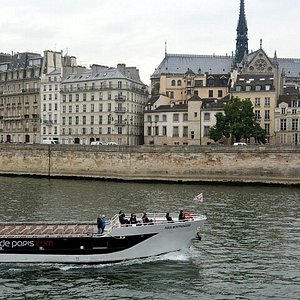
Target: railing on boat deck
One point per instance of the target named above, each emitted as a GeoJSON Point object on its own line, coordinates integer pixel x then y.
{"type": "Point", "coordinates": [157, 218]}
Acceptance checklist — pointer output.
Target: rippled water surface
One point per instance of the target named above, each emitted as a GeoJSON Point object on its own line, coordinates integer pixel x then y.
{"type": "Point", "coordinates": [250, 246]}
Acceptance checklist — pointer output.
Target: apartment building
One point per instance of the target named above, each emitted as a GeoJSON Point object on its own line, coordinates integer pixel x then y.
{"type": "Point", "coordinates": [20, 98]}
{"type": "Point", "coordinates": [103, 104]}
{"type": "Point", "coordinates": [287, 117]}
{"type": "Point", "coordinates": [260, 81]}
{"type": "Point", "coordinates": [55, 67]}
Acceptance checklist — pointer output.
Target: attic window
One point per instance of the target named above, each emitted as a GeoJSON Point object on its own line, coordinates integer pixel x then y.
{"type": "Point", "coordinates": [238, 88]}
{"type": "Point", "coordinates": [258, 87]}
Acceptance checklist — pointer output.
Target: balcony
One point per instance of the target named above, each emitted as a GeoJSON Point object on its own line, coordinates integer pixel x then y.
{"type": "Point", "coordinates": [120, 98]}
{"type": "Point", "coordinates": [120, 123]}
{"type": "Point", "coordinates": [120, 109]}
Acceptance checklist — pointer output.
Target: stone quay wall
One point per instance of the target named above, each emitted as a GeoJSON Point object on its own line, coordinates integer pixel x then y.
{"type": "Point", "coordinates": [249, 164]}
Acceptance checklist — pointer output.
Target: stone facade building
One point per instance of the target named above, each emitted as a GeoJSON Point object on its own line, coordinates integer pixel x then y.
{"type": "Point", "coordinates": [20, 98]}
{"type": "Point", "coordinates": [254, 76]}
{"type": "Point", "coordinates": [103, 104]}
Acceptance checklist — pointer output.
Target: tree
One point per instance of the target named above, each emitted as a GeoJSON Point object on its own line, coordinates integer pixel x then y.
{"type": "Point", "coordinates": [238, 121]}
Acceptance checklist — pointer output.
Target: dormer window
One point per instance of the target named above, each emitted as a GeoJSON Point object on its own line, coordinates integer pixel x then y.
{"type": "Point", "coordinates": [268, 87]}
{"type": "Point", "coordinates": [257, 87]}
{"type": "Point", "coordinates": [238, 88]}
{"type": "Point", "coordinates": [248, 88]}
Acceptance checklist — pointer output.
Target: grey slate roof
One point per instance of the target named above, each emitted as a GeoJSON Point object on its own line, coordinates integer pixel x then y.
{"type": "Point", "coordinates": [288, 98]}
{"type": "Point", "coordinates": [291, 66]}
{"type": "Point", "coordinates": [199, 64]}
{"type": "Point", "coordinates": [180, 63]}
{"type": "Point", "coordinates": [170, 108]}
{"type": "Point", "coordinates": [105, 73]}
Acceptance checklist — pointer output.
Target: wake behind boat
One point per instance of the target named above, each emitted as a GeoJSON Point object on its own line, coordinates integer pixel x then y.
{"type": "Point", "coordinates": [80, 243]}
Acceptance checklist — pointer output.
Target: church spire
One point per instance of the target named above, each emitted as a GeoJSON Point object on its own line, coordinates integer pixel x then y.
{"type": "Point", "coordinates": [242, 35]}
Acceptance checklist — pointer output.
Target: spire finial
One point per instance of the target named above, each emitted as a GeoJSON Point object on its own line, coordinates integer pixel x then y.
{"type": "Point", "coordinates": [165, 48]}
{"type": "Point", "coordinates": [260, 44]}
{"type": "Point", "coordinates": [242, 35]}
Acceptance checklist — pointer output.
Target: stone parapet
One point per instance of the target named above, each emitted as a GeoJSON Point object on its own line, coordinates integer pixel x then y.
{"type": "Point", "coordinates": [251, 164]}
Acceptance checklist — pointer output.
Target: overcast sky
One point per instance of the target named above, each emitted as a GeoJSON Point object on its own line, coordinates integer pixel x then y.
{"type": "Point", "coordinates": [134, 32]}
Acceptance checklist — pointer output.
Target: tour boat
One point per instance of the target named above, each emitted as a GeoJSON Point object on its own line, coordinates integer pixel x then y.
{"type": "Point", "coordinates": [69, 242]}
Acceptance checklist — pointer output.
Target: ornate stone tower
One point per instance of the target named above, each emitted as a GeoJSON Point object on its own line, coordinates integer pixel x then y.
{"type": "Point", "coordinates": [242, 35]}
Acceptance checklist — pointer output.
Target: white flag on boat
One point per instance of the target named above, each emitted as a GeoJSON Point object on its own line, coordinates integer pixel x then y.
{"type": "Point", "coordinates": [199, 198]}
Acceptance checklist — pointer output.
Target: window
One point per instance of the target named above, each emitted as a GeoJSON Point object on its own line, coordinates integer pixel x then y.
{"type": "Point", "coordinates": [70, 108]}
{"type": "Point", "coordinates": [206, 131]}
{"type": "Point", "coordinates": [70, 98]}
{"type": "Point", "coordinates": [164, 118]}
{"type": "Point", "coordinates": [283, 110]}
{"type": "Point", "coordinates": [195, 114]}
{"type": "Point", "coordinates": [198, 83]}
{"type": "Point", "coordinates": [173, 82]}
{"type": "Point", "coordinates": [175, 117]}
{"type": "Point", "coordinates": [83, 97]}
{"type": "Point", "coordinates": [179, 82]}
{"type": "Point", "coordinates": [175, 131]}
{"type": "Point", "coordinates": [238, 88]}
{"type": "Point", "coordinates": [267, 115]}
{"type": "Point", "coordinates": [100, 107]}
{"type": "Point", "coordinates": [119, 84]}
{"type": "Point", "coordinates": [84, 108]}
{"type": "Point", "coordinates": [172, 95]}
{"type": "Point", "coordinates": [257, 114]}
{"type": "Point", "coordinates": [77, 108]}
{"type": "Point", "coordinates": [268, 87]}
{"type": "Point", "coordinates": [149, 130]}
{"type": "Point", "coordinates": [92, 97]}
{"type": "Point", "coordinates": [257, 102]}
{"type": "Point", "coordinates": [257, 88]}
{"type": "Point", "coordinates": [92, 120]}
{"type": "Point", "coordinates": [206, 116]}
{"type": "Point", "coordinates": [92, 107]}
{"type": "Point", "coordinates": [84, 120]}
{"type": "Point", "coordinates": [267, 128]}
{"type": "Point", "coordinates": [294, 111]}
{"type": "Point", "coordinates": [100, 119]}
{"type": "Point", "coordinates": [248, 88]}
{"type": "Point", "coordinates": [156, 118]}
{"type": "Point", "coordinates": [149, 119]}
{"type": "Point", "coordinates": [76, 120]}
{"type": "Point", "coordinates": [70, 120]}
{"type": "Point", "coordinates": [185, 131]}
{"type": "Point", "coordinates": [83, 130]}
{"type": "Point", "coordinates": [185, 117]}
{"type": "Point", "coordinates": [294, 124]}
{"type": "Point", "coordinates": [64, 98]}
{"type": "Point", "coordinates": [282, 124]}
{"type": "Point", "coordinates": [210, 93]}
{"type": "Point", "coordinates": [64, 120]}
{"type": "Point", "coordinates": [220, 93]}
{"type": "Point", "coordinates": [164, 130]}
{"type": "Point", "coordinates": [267, 101]}
{"type": "Point", "coordinates": [192, 135]}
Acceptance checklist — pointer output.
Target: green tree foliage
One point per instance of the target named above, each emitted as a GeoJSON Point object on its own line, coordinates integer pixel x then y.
{"type": "Point", "coordinates": [238, 121]}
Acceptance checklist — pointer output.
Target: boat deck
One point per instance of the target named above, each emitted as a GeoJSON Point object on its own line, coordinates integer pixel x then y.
{"type": "Point", "coordinates": [30, 230]}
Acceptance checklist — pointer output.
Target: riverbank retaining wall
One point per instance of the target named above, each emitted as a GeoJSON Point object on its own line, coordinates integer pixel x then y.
{"type": "Point", "coordinates": [256, 164]}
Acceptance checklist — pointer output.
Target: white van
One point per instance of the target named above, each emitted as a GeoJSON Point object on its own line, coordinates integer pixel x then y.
{"type": "Point", "coordinates": [97, 143]}
{"type": "Point", "coordinates": [239, 144]}
{"type": "Point", "coordinates": [49, 142]}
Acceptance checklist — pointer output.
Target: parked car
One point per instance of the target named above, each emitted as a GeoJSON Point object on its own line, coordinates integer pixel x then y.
{"type": "Point", "coordinates": [111, 143]}
{"type": "Point", "coordinates": [239, 144]}
{"type": "Point", "coordinates": [97, 143]}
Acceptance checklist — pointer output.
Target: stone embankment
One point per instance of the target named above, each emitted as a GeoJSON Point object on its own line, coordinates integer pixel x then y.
{"type": "Point", "coordinates": [251, 164]}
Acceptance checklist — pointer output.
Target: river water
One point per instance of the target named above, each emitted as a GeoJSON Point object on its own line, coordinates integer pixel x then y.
{"type": "Point", "coordinates": [250, 246]}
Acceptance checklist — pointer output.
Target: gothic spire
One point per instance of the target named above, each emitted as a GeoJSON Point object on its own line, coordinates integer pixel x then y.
{"type": "Point", "coordinates": [242, 35]}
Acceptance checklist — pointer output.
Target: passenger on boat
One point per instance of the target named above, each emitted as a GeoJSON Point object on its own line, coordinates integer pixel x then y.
{"type": "Point", "coordinates": [145, 218]}
{"type": "Point", "coordinates": [122, 218]}
{"type": "Point", "coordinates": [168, 217]}
{"type": "Point", "coordinates": [133, 219]}
{"type": "Point", "coordinates": [100, 223]}
{"type": "Point", "coordinates": [181, 216]}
